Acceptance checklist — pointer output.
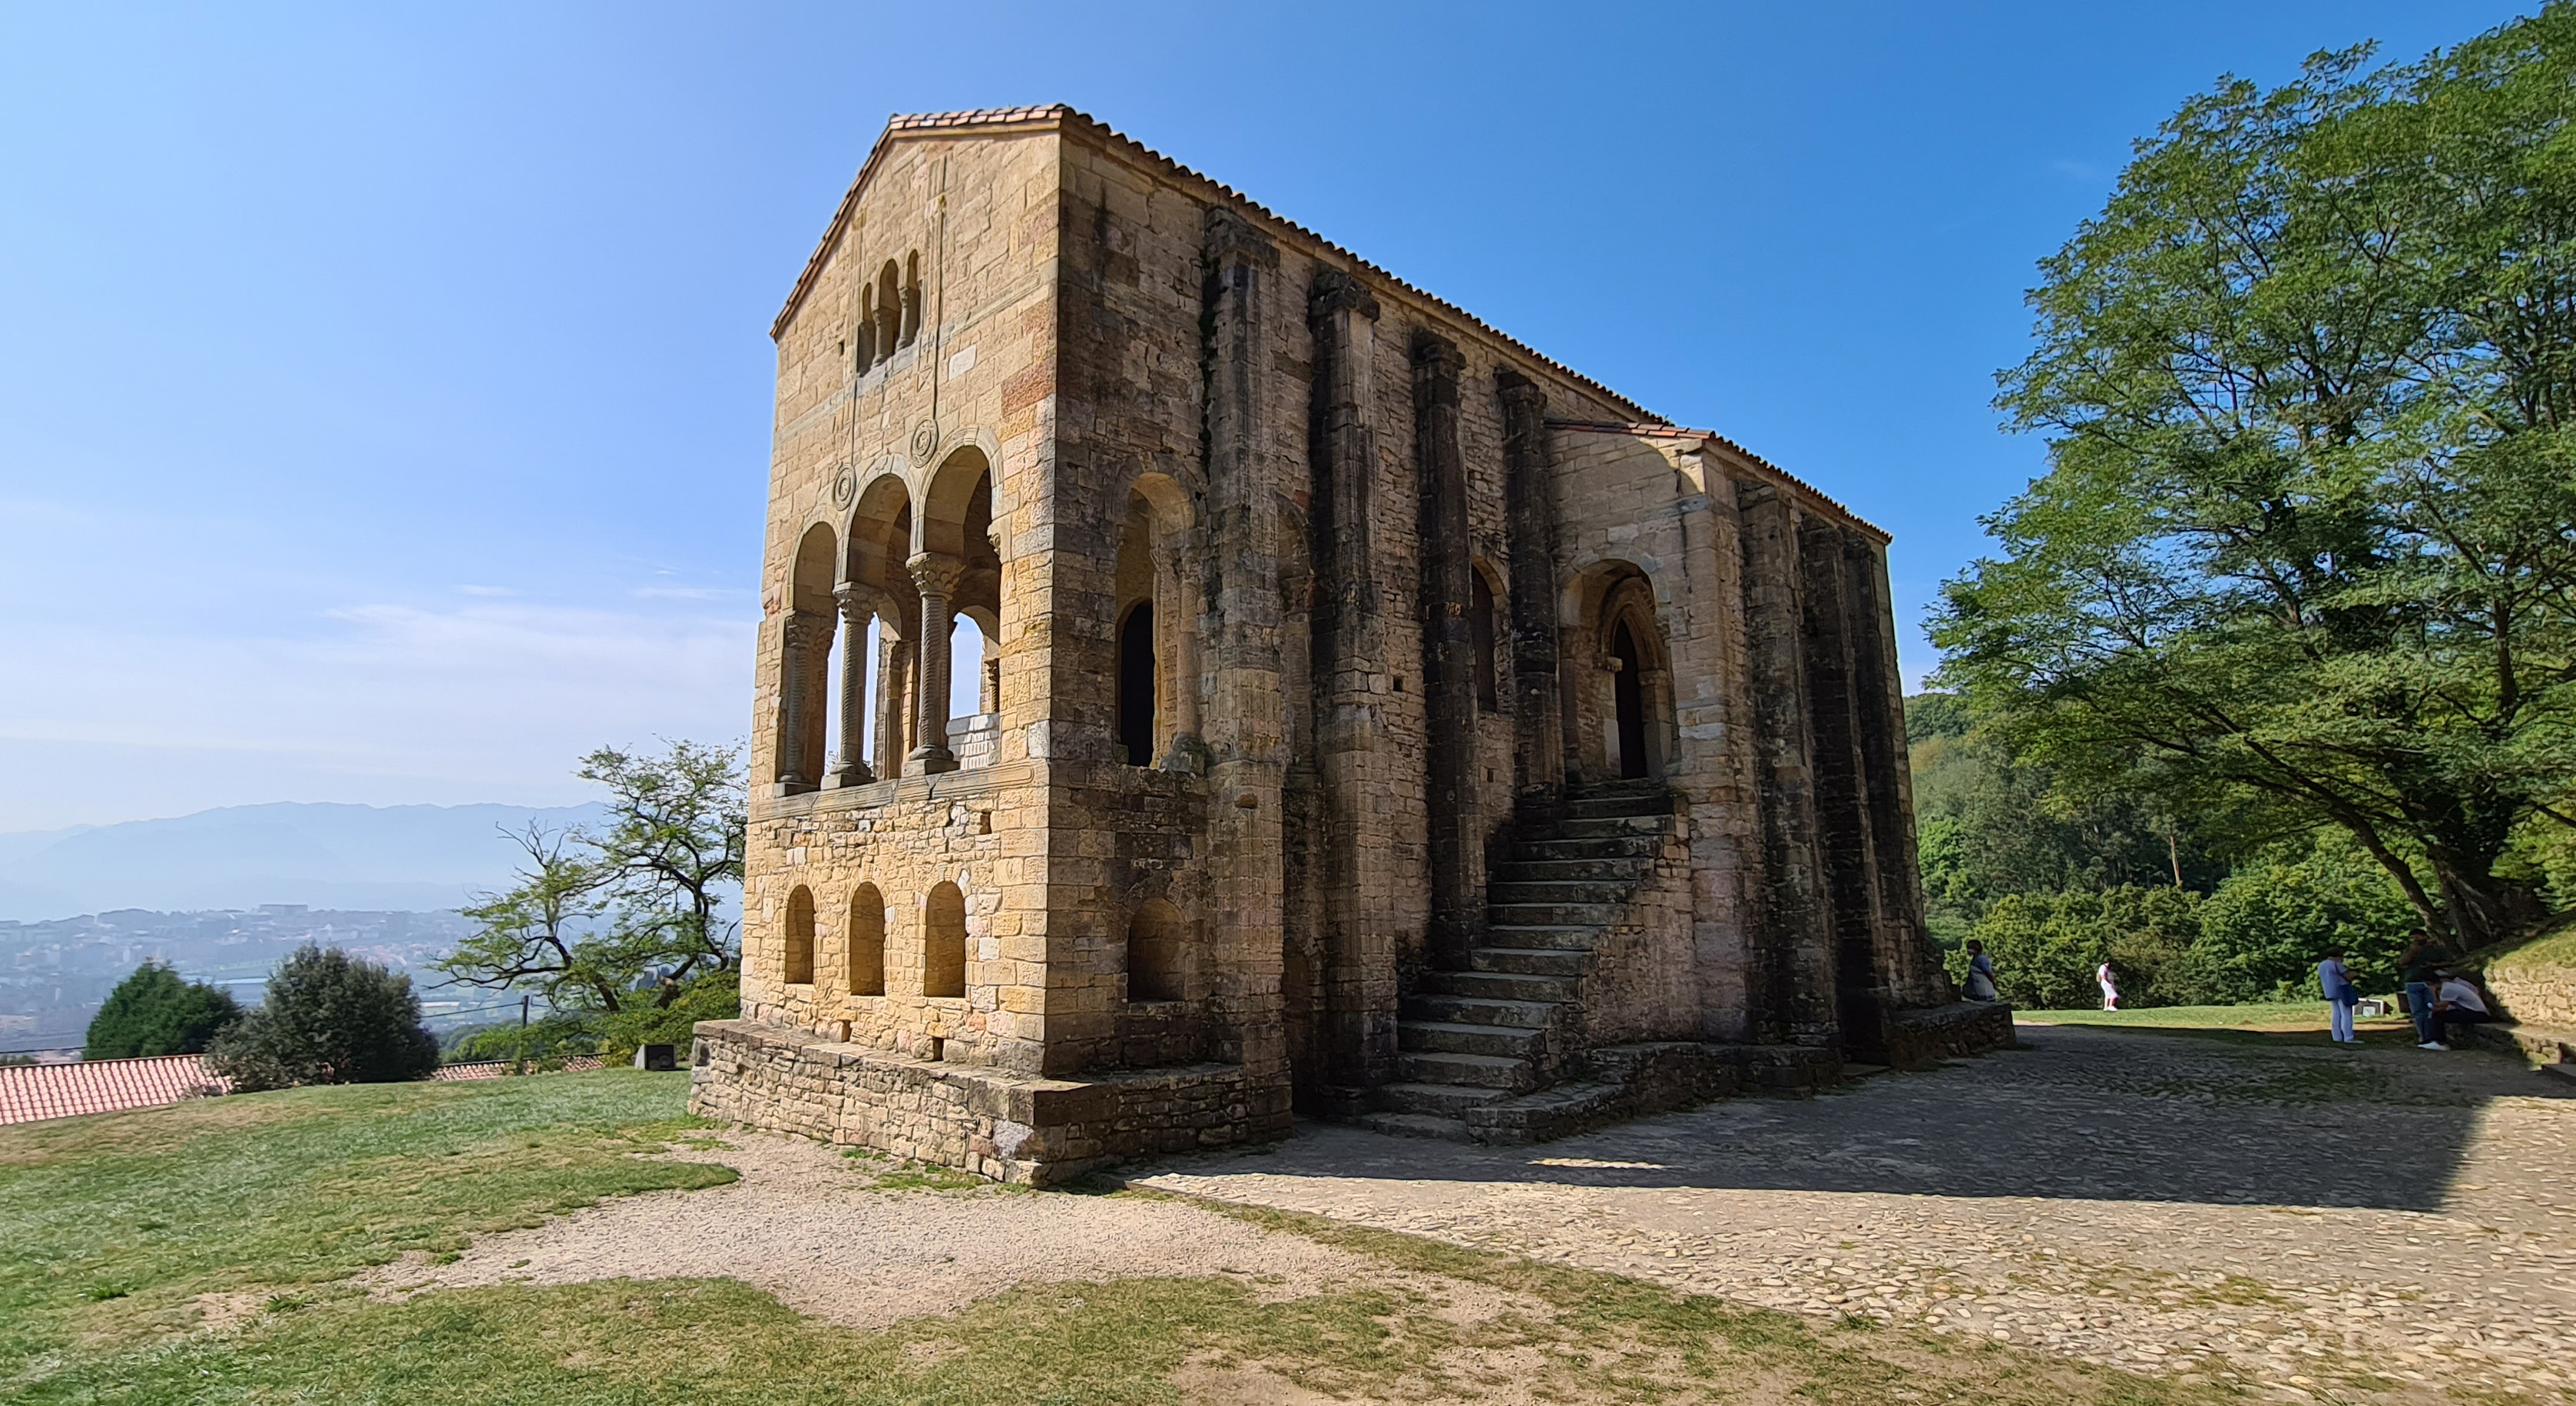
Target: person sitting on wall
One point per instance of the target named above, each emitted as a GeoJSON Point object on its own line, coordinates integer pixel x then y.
{"type": "Point", "coordinates": [2456, 1002]}
{"type": "Point", "coordinates": [1981, 973]}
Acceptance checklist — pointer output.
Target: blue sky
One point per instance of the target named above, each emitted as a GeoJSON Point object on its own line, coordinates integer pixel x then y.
{"type": "Point", "coordinates": [384, 394]}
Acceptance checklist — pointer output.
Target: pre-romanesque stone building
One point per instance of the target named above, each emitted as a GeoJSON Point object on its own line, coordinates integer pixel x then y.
{"type": "Point", "coordinates": [1378, 720]}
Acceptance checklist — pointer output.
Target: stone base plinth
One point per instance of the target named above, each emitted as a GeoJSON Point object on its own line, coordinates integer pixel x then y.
{"type": "Point", "coordinates": [1010, 1127]}
{"type": "Point", "coordinates": [1935, 1033]}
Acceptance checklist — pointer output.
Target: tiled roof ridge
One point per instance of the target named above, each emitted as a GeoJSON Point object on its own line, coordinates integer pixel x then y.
{"type": "Point", "coordinates": [1660, 429]}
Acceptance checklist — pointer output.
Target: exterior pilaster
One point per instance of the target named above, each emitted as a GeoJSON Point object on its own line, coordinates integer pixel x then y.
{"type": "Point", "coordinates": [1244, 719]}
{"type": "Point", "coordinates": [1789, 959]}
{"type": "Point", "coordinates": [1448, 653]}
{"type": "Point", "coordinates": [806, 638]}
{"type": "Point", "coordinates": [1356, 1044]}
{"type": "Point", "coordinates": [1530, 518]}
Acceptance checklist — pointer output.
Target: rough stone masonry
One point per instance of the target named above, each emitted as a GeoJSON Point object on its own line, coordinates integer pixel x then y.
{"type": "Point", "coordinates": [1378, 721]}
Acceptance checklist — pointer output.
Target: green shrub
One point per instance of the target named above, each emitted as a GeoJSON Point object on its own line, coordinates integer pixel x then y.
{"type": "Point", "coordinates": [330, 1018]}
{"type": "Point", "coordinates": [715, 996]}
{"type": "Point", "coordinates": [2267, 926]}
{"type": "Point", "coordinates": [2046, 946]}
{"type": "Point", "coordinates": [153, 1012]}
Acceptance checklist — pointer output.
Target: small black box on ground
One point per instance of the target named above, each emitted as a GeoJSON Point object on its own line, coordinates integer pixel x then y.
{"type": "Point", "coordinates": [656, 1057]}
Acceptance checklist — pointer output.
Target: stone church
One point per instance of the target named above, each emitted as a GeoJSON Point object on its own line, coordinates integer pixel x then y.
{"type": "Point", "coordinates": [1376, 721]}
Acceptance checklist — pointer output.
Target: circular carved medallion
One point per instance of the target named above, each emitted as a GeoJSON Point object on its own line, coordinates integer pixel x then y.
{"type": "Point", "coordinates": [845, 486]}
{"type": "Point", "coordinates": [925, 441]}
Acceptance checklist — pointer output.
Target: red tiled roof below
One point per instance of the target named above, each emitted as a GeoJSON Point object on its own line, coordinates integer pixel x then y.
{"type": "Point", "coordinates": [29, 1092]}
{"type": "Point", "coordinates": [32, 1091]}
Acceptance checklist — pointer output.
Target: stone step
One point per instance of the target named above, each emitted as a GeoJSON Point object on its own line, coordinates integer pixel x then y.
{"type": "Point", "coordinates": [1436, 1100]}
{"type": "Point", "coordinates": [1552, 915]}
{"type": "Point", "coordinates": [1589, 807]}
{"type": "Point", "coordinates": [1446, 1038]}
{"type": "Point", "coordinates": [1503, 985]}
{"type": "Point", "coordinates": [1595, 847]}
{"type": "Point", "coordinates": [1595, 827]}
{"type": "Point", "coordinates": [1610, 891]}
{"type": "Point", "coordinates": [1530, 961]}
{"type": "Point", "coordinates": [1624, 786]}
{"type": "Point", "coordinates": [1625, 869]}
{"type": "Point", "coordinates": [1422, 1125]}
{"type": "Point", "coordinates": [1552, 937]}
{"type": "Point", "coordinates": [1478, 1071]}
{"type": "Point", "coordinates": [1479, 1010]}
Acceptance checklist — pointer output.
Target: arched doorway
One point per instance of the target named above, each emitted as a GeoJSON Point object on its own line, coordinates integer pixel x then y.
{"type": "Point", "coordinates": [1628, 702]}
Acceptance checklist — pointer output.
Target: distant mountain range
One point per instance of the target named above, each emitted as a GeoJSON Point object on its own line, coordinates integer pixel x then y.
{"type": "Point", "coordinates": [416, 858]}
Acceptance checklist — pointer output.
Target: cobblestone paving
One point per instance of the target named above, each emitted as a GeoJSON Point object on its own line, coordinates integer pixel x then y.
{"type": "Point", "coordinates": [2380, 1224]}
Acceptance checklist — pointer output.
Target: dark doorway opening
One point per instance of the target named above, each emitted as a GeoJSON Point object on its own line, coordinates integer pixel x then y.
{"type": "Point", "coordinates": [1628, 692]}
{"type": "Point", "coordinates": [1136, 685]}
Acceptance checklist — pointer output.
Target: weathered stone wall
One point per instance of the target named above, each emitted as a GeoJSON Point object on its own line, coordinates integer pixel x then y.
{"type": "Point", "coordinates": [1321, 481]}
{"type": "Point", "coordinates": [1014, 1128]}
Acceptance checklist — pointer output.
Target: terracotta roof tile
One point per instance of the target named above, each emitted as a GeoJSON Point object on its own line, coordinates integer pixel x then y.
{"type": "Point", "coordinates": [29, 1092]}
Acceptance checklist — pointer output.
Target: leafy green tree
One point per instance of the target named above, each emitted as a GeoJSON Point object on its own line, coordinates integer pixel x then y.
{"type": "Point", "coordinates": [2046, 946]}
{"type": "Point", "coordinates": [603, 921]}
{"type": "Point", "coordinates": [330, 1018]}
{"type": "Point", "coordinates": [153, 1012]}
{"type": "Point", "coordinates": [672, 849]}
{"type": "Point", "coordinates": [2303, 553]}
{"type": "Point", "coordinates": [534, 936]}
{"type": "Point", "coordinates": [2264, 930]}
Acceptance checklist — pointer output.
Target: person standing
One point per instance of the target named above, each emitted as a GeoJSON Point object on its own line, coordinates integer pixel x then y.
{"type": "Point", "coordinates": [1981, 972]}
{"type": "Point", "coordinates": [2340, 996]}
{"type": "Point", "coordinates": [2110, 992]}
{"type": "Point", "coordinates": [2421, 966]}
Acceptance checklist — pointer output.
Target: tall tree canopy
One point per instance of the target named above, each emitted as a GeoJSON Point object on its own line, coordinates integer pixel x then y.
{"type": "Point", "coordinates": [153, 1012]}
{"type": "Point", "coordinates": [2306, 543]}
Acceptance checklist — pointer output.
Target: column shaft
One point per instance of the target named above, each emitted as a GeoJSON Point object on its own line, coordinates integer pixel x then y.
{"type": "Point", "coordinates": [936, 574]}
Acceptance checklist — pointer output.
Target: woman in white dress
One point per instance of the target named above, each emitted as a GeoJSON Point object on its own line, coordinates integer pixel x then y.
{"type": "Point", "coordinates": [2110, 993]}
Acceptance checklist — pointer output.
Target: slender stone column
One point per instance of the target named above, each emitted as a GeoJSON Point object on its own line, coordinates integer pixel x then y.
{"type": "Point", "coordinates": [1355, 1043]}
{"type": "Point", "coordinates": [805, 638]}
{"type": "Point", "coordinates": [936, 575]}
{"type": "Point", "coordinates": [858, 605]}
{"type": "Point", "coordinates": [1530, 519]}
{"type": "Point", "coordinates": [894, 698]}
{"type": "Point", "coordinates": [1448, 652]}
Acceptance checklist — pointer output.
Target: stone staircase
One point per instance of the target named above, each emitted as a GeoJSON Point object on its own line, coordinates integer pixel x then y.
{"type": "Point", "coordinates": [1487, 1052]}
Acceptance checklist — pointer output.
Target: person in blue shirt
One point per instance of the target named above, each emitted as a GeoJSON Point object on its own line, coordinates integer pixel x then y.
{"type": "Point", "coordinates": [1981, 972]}
{"type": "Point", "coordinates": [2340, 996]}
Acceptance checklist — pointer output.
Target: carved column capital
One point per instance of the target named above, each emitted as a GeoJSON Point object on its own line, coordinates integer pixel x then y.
{"type": "Point", "coordinates": [1230, 238]}
{"type": "Point", "coordinates": [860, 603]}
{"type": "Point", "coordinates": [936, 573]}
{"type": "Point", "coordinates": [804, 629]}
{"type": "Point", "coordinates": [1334, 291]}
{"type": "Point", "coordinates": [1437, 358]}
{"type": "Point", "coordinates": [1522, 397]}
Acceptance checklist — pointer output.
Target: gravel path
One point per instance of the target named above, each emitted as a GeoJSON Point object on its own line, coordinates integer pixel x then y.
{"type": "Point", "coordinates": [2379, 1223]}
{"type": "Point", "coordinates": [806, 1224]}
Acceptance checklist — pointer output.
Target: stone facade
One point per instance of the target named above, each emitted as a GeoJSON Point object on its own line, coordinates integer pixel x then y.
{"type": "Point", "coordinates": [1379, 720]}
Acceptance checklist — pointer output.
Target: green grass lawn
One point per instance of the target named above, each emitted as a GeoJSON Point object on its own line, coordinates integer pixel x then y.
{"type": "Point", "coordinates": [2284, 1018]}
{"type": "Point", "coordinates": [118, 1233]}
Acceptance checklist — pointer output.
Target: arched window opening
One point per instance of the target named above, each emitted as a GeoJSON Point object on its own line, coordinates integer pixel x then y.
{"type": "Point", "coordinates": [805, 663]}
{"type": "Point", "coordinates": [1156, 954]}
{"type": "Point", "coordinates": [1480, 637]}
{"type": "Point", "coordinates": [1136, 685]}
{"type": "Point", "coordinates": [865, 335]}
{"type": "Point", "coordinates": [943, 942]}
{"type": "Point", "coordinates": [889, 310]}
{"type": "Point", "coordinates": [867, 942]}
{"type": "Point", "coordinates": [911, 297]}
{"type": "Point", "coordinates": [1627, 688]}
{"type": "Point", "coordinates": [799, 969]}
